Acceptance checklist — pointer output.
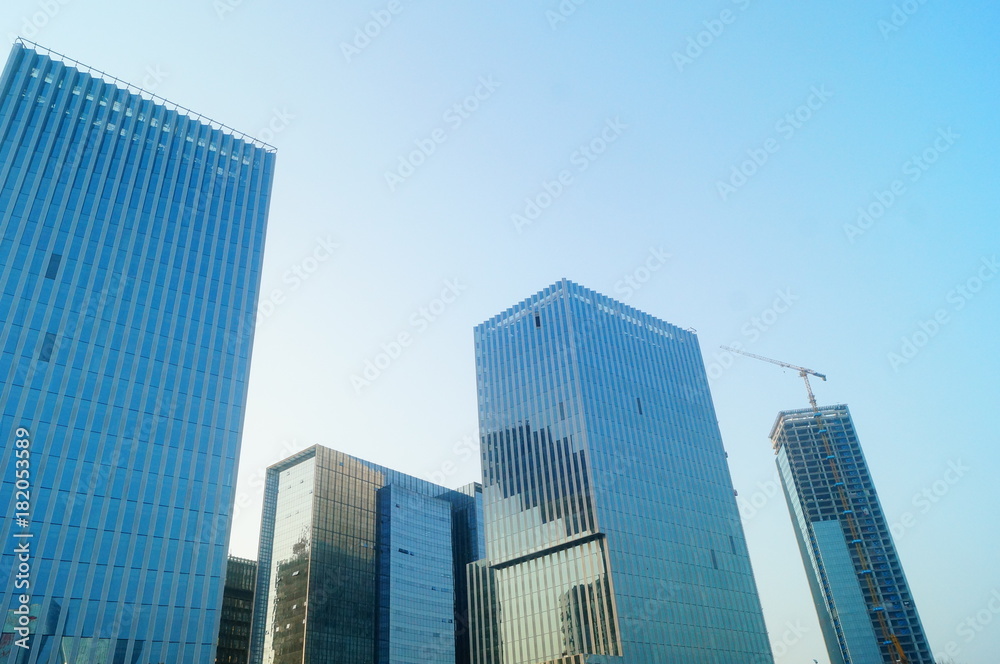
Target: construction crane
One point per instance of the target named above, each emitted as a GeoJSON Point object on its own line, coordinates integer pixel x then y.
{"type": "Point", "coordinates": [889, 638]}
{"type": "Point", "coordinates": [803, 372]}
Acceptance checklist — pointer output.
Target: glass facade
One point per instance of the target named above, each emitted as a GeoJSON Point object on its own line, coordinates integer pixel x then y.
{"type": "Point", "coordinates": [289, 577]}
{"type": "Point", "coordinates": [237, 611]}
{"type": "Point", "coordinates": [131, 238]}
{"type": "Point", "coordinates": [612, 531]}
{"type": "Point", "coordinates": [861, 595]}
{"type": "Point", "coordinates": [468, 540]}
{"type": "Point", "coordinates": [841, 583]}
{"type": "Point", "coordinates": [416, 587]}
{"type": "Point", "coordinates": [360, 564]}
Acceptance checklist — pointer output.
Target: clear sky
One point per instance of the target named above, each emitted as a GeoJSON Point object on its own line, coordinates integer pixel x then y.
{"type": "Point", "coordinates": [463, 155]}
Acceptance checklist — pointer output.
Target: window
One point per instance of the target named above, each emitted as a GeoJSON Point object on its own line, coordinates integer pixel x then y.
{"type": "Point", "coordinates": [639, 404]}
{"type": "Point", "coordinates": [53, 267]}
{"type": "Point", "coordinates": [48, 345]}
{"type": "Point", "coordinates": [538, 320]}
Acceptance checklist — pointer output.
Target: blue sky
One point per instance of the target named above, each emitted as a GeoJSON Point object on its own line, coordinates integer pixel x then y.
{"type": "Point", "coordinates": [716, 154]}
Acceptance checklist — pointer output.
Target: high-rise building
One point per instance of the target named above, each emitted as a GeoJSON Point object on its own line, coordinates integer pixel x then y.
{"type": "Point", "coordinates": [362, 564]}
{"type": "Point", "coordinates": [612, 530]}
{"type": "Point", "coordinates": [864, 604]}
{"type": "Point", "coordinates": [131, 238]}
{"type": "Point", "coordinates": [237, 611]}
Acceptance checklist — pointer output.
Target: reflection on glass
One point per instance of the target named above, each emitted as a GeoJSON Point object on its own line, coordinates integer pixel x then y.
{"type": "Point", "coordinates": [289, 576]}
{"type": "Point", "coordinates": [372, 553]}
{"type": "Point", "coordinates": [611, 525]}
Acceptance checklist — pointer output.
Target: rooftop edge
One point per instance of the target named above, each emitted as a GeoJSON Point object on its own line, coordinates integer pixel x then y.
{"type": "Point", "coordinates": [145, 94]}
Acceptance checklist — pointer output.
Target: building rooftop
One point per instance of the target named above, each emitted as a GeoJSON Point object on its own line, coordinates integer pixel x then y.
{"type": "Point", "coordinates": [566, 288]}
{"type": "Point", "coordinates": [803, 411]}
{"type": "Point", "coordinates": [145, 94]}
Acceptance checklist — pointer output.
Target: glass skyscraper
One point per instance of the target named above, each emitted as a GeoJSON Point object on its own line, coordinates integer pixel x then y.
{"type": "Point", "coordinates": [362, 564]}
{"type": "Point", "coordinates": [863, 601]}
{"type": "Point", "coordinates": [131, 238]}
{"type": "Point", "coordinates": [612, 530]}
{"type": "Point", "coordinates": [237, 611]}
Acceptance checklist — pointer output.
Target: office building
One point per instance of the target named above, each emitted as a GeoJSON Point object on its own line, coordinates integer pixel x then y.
{"type": "Point", "coordinates": [864, 604]}
{"type": "Point", "coordinates": [131, 237]}
{"type": "Point", "coordinates": [612, 530]}
{"type": "Point", "coordinates": [362, 564]}
{"type": "Point", "coordinates": [237, 611]}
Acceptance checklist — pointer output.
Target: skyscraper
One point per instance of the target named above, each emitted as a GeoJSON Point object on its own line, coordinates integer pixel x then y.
{"type": "Point", "coordinates": [864, 604]}
{"type": "Point", "coordinates": [130, 255]}
{"type": "Point", "coordinates": [237, 611]}
{"type": "Point", "coordinates": [612, 531]}
{"type": "Point", "coordinates": [360, 564]}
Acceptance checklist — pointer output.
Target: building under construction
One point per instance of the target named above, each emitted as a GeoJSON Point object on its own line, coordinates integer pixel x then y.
{"type": "Point", "coordinates": [864, 604]}
{"type": "Point", "coordinates": [862, 599]}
